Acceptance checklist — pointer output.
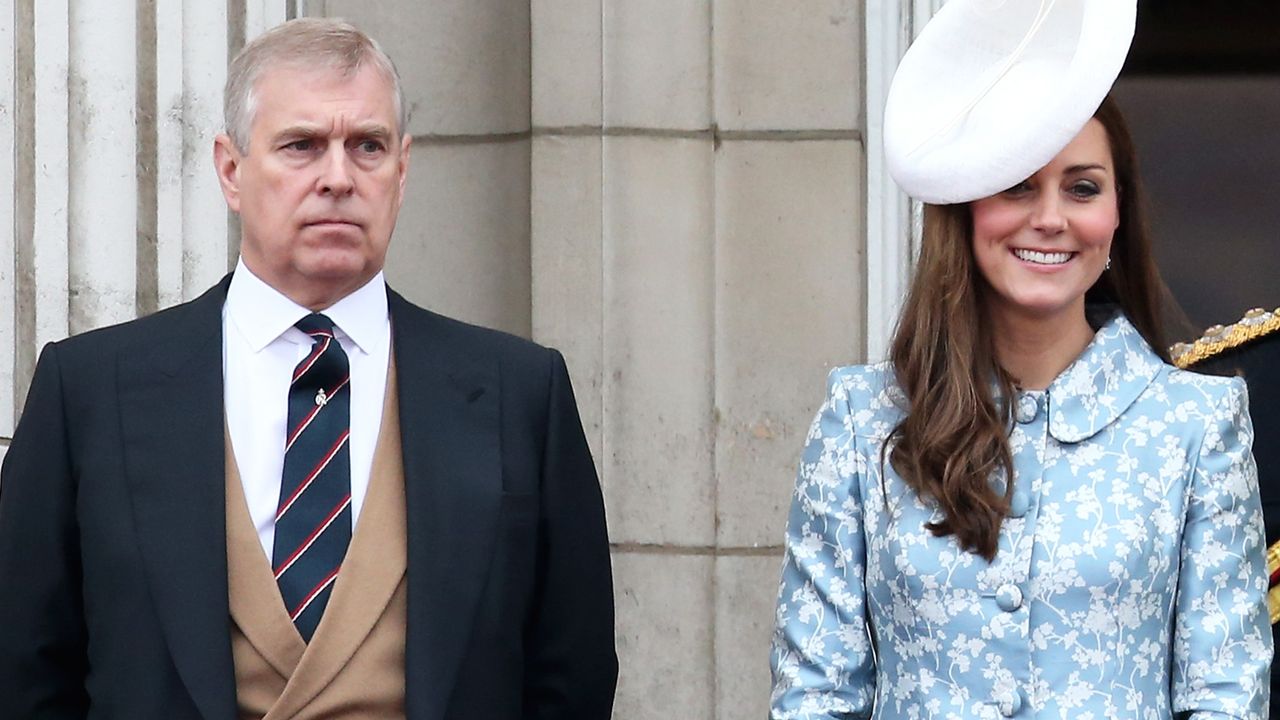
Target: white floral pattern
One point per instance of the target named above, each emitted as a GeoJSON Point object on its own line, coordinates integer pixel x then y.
{"type": "Point", "coordinates": [1131, 583]}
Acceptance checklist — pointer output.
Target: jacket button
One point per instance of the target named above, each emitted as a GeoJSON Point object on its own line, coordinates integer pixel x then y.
{"type": "Point", "coordinates": [1009, 597]}
{"type": "Point", "coordinates": [1010, 703]}
{"type": "Point", "coordinates": [1019, 503]}
{"type": "Point", "coordinates": [1028, 408]}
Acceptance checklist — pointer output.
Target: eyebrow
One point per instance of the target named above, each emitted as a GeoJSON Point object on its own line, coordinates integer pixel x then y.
{"type": "Point", "coordinates": [369, 130]}
{"type": "Point", "coordinates": [1083, 168]}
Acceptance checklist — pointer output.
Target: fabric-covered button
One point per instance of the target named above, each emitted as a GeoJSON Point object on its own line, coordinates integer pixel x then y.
{"type": "Point", "coordinates": [1028, 408]}
{"type": "Point", "coordinates": [1019, 503]}
{"type": "Point", "coordinates": [1009, 597]}
{"type": "Point", "coordinates": [1010, 702]}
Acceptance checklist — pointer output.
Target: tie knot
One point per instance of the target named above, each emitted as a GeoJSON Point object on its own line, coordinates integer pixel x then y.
{"type": "Point", "coordinates": [315, 324]}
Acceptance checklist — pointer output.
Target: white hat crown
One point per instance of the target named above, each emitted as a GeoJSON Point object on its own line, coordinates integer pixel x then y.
{"type": "Point", "coordinates": [992, 90]}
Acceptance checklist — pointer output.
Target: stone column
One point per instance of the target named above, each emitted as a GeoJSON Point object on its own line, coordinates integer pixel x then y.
{"type": "Point", "coordinates": [698, 255]}
{"type": "Point", "coordinates": [8, 223]}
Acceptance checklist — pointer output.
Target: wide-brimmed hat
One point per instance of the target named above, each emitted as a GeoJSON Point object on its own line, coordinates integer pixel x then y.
{"type": "Point", "coordinates": [992, 90]}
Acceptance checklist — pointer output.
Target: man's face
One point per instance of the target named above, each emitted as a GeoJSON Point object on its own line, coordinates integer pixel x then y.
{"type": "Point", "coordinates": [321, 183]}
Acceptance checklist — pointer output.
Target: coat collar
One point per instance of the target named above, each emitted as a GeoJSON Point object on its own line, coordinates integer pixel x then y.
{"type": "Point", "coordinates": [1109, 376]}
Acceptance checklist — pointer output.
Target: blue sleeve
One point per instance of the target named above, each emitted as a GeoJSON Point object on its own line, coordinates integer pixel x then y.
{"type": "Point", "coordinates": [1222, 635]}
{"type": "Point", "coordinates": [822, 657]}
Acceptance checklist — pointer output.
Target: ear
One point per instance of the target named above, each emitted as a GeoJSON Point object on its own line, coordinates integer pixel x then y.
{"type": "Point", "coordinates": [405, 143]}
{"type": "Point", "coordinates": [226, 161]}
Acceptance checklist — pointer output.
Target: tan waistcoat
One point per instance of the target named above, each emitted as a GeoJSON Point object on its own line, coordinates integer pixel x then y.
{"type": "Point", "coordinates": [354, 665]}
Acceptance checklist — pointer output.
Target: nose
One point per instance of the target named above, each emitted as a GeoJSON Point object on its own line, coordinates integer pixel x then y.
{"type": "Point", "coordinates": [335, 174]}
{"type": "Point", "coordinates": [1047, 216]}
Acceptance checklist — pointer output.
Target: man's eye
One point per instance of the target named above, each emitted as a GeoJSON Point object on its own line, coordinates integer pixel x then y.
{"type": "Point", "coordinates": [371, 146]}
{"type": "Point", "coordinates": [300, 145]}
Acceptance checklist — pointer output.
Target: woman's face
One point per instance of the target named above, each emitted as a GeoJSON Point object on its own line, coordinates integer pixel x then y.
{"type": "Point", "coordinates": [1043, 242]}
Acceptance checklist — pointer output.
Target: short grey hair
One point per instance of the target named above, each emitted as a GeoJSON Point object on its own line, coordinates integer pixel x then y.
{"type": "Point", "coordinates": [328, 43]}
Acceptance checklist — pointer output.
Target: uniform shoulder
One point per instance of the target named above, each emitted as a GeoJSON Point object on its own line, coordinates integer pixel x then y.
{"type": "Point", "coordinates": [1220, 340]}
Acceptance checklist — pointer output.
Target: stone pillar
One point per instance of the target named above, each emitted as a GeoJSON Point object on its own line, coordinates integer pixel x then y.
{"type": "Point", "coordinates": [698, 254]}
{"type": "Point", "coordinates": [8, 223]}
{"type": "Point", "coordinates": [101, 172]}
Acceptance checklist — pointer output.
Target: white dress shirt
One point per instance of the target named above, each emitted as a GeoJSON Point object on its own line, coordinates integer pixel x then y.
{"type": "Point", "coordinates": [260, 348]}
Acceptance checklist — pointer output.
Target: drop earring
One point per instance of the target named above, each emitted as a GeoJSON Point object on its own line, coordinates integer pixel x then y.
{"type": "Point", "coordinates": [1108, 265]}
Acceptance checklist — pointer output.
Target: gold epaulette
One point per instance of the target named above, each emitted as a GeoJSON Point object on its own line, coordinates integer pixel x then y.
{"type": "Point", "coordinates": [1218, 339]}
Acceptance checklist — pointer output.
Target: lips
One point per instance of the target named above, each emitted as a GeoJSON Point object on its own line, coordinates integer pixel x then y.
{"type": "Point", "coordinates": [1043, 258]}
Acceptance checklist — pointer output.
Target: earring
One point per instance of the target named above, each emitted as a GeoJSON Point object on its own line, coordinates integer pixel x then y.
{"type": "Point", "coordinates": [1108, 266]}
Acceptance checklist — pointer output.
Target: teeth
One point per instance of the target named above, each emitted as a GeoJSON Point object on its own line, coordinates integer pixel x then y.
{"type": "Point", "coordinates": [1042, 258]}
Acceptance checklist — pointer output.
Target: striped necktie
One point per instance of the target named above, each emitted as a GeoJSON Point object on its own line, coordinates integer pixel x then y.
{"type": "Point", "coordinates": [313, 520]}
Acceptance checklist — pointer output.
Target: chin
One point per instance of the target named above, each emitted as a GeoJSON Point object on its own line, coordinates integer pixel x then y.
{"type": "Point", "coordinates": [336, 266]}
{"type": "Point", "coordinates": [1045, 307]}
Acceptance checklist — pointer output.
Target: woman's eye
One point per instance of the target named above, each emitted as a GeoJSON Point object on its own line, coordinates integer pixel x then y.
{"type": "Point", "coordinates": [1085, 189]}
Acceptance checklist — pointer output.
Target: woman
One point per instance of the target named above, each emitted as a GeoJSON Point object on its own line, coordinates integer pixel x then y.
{"type": "Point", "coordinates": [1120, 572]}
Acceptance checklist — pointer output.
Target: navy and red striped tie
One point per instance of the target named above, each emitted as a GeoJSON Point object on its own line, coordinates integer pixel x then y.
{"type": "Point", "coordinates": [313, 520]}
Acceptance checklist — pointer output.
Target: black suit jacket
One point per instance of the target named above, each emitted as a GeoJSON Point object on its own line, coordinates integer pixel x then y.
{"type": "Point", "coordinates": [113, 570]}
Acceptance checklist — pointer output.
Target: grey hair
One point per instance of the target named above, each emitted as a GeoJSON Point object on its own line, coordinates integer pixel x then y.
{"type": "Point", "coordinates": [328, 43]}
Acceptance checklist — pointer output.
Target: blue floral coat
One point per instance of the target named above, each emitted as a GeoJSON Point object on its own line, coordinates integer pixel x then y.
{"type": "Point", "coordinates": [1129, 583]}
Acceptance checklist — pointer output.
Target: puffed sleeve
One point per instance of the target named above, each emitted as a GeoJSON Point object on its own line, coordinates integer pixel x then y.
{"type": "Point", "coordinates": [821, 656]}
{"type": "Point", "coordinates": [1222, 643]}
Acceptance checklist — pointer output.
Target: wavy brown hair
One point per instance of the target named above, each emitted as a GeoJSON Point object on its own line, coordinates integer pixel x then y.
{"type": "Point", "coordinates": [954, 438]}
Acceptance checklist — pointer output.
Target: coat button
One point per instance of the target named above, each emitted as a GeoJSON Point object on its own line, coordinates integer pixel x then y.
{"type": "Point", "coordinates": [1010, 702]}
{"type": "Point", "coordinates": [1019, 503]}
{"type": "Point", "coordinates": [1028, 408]}
{"type": "Point", "coordinates": [1009, 597]}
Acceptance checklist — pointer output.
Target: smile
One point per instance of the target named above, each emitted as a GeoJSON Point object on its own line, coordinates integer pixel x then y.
{"type": "Point", "coordinates": [1043, 258]}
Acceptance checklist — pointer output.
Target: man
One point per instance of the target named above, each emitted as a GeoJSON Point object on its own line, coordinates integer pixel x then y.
{"type": "Point", "coordinates": [1250, 348]}
{"type": "Point", "coordinates": [299, 495]}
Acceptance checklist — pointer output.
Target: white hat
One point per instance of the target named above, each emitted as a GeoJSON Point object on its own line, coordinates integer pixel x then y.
{"type": "Point", "coordinates": [992, 90]}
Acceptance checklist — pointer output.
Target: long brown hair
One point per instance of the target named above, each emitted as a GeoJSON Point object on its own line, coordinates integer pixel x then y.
{"type": "Point", "coordinates": [954, 437]}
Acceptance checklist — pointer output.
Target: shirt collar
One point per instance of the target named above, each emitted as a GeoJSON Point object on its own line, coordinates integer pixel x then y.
{"type": "Point", "coordinates": [1108, 377]}
{"type": "Point", "coordinates": [262, 314]}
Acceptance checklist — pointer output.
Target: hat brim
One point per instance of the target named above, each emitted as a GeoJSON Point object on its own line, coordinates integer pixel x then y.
{"type": "Point", "coordinates": [972, 111]}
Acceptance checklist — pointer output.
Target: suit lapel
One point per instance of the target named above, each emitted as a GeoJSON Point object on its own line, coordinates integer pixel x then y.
{"type": "Point", "coordinates": [449, 427]}
{"type": "Point", "coordinates": [171, 405]}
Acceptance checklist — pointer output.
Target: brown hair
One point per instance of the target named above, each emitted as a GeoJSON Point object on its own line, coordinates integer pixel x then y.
{"type": "Point", "coordinates": [954, 437]}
